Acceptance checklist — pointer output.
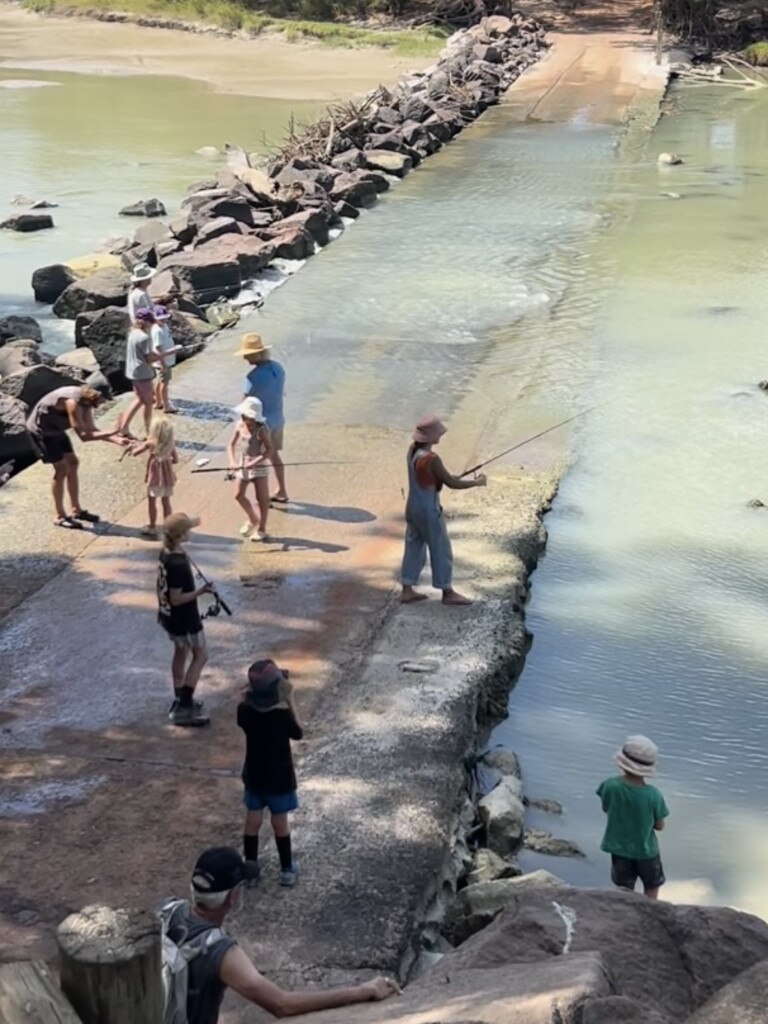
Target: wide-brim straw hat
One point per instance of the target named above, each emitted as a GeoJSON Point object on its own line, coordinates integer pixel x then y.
{"type": "Point", "coordinates": [252, 345]}
{"type": "Point", "coordinates": [251, 409]}
{"type": "Point", "coordinates": [179, 523]}
{"type": "Point", "coordinates": [428, 430]}
{"type": "Point", "coordinates": [142, 272]}
{"type": "Point", "coordinates": [638, 756]}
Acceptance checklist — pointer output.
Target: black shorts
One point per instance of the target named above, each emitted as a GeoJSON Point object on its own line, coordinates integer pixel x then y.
{"type": "Point", "coordinates": [53, 447]}
{"type": "Point", "coordinates": [625, 872]}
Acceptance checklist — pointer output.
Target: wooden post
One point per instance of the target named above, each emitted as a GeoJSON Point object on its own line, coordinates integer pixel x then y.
{"type": "Point", "coordinates": [29, 996]}
{"type": "Point", "coordinates": [111, 968]}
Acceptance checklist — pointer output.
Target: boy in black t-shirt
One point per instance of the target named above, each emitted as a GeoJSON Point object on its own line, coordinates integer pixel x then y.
{"type": "Point", "coordinates": [179, 616]}
{"type": "Point", "coordinates": [267, 716]}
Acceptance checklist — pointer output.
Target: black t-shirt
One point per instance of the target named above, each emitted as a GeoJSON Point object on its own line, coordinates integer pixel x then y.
{"type": "Point", "coordinates": [268, 766]}
{"type": "Point", "coordinates": [175, 573]}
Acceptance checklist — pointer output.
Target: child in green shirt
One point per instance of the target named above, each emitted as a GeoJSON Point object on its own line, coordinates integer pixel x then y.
{"type": "Point", "coordinates": [636, 812]}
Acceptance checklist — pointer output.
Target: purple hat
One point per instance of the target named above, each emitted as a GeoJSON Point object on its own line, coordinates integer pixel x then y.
{"type": "Point", "coordinates": [268, 685]}
{"type": "Point", "coordinates": [144, 316]}
{"type": "Point", "coordinates": [162, 313]}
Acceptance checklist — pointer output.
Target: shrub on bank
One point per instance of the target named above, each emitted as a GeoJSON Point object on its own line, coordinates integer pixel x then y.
{"type": "Point", "coordinates": [757, 54]}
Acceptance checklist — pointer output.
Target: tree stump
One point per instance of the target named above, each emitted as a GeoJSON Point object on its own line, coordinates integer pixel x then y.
{"type": "Point", "coordinates": [111, 969]}
{"type": "Point", "coordinates": [29, 996]}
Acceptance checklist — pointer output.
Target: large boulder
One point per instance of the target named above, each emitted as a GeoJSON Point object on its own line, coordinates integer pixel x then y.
{"type": "Point", "coordinates": [84, 266]}
{"type": "Point", "coordinates": [82, 358]}
{"type": "Point", "coordinates": [152, 232]}
{"type": "Point", "coordinates": [49, 282]}
{"type": "Point", "coordinates": [215, 228]}
{"type": "Point", "coordinates": [314, 223]}
{"type": "Point", "coordinates": [252, 254]}
{"type": "Point", "coordinates": [291, 243]}
{"type": "Point", "coordinates": [144, 208]}
{"type": "Point", "coordinates": [743, 1001]}
{"type": "Point", "coordinates": [31, 383]}
{"type": "Point", "coordinates": [351, 189]}
{"type": "Point", "coordinates": [666, 958]}
{"type": "Point", "coordinates": [502, 814]}
{"type": "Point", "coordinates": [205, 279]}
{"type": "Point", "coordinates": [23, 327]}
{"type": "Point", "coordinates": [105, 333]}
{"type": "Point", "coordinates": [26, 222]}
{"type": "Point", "coordinates": [488, 866]}
{"type": "Point", "coordinates": [232, 206]}
{"type": "Point", "coordinates": [15, 443]}
{"type": "Point", "coordinates": [102, 289]}
{"type": "Point", "coordinates": [386, 160]}
{"type": "Point", "coordinates": [17, 355]}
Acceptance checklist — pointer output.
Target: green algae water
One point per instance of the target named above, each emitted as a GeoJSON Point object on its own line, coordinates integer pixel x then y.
{"type": "Point", "coordinates": [649, 610]}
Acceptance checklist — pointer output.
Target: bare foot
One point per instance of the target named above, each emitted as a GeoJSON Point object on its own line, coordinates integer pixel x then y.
{"type": "Point", "coordinates": [453, 597]}
{"type": "Point", "coordinates": [410, 596]}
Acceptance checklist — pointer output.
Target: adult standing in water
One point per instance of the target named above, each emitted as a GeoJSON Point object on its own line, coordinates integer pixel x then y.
{"type": "Point", "coordinates": [425, 523]}
{"type": "Point", "coordinates": [68, 408]}
{"type": "Point", "coordinates": [266, 381]}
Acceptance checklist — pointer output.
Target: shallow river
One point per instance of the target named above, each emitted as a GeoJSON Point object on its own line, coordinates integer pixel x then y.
{"type": "Point", "coordinates": [649, 610]}
{"type": "Point", "coordinates": [539, 250]}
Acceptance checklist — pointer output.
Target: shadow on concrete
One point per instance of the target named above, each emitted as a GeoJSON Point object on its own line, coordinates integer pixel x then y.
{"type": "Point", "coordinates": [337, 513]}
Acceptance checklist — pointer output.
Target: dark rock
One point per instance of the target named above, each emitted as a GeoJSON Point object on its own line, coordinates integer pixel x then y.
{"type": "Point", "coordinates": [438, 85]}
{"type": "Point", "coordinates": [547, 806]}
{"type": "Point", "coordinates": [292, 243]}
{"type": "Point", "coordinates": [15, 443]}
{"type": "Point", "coordinates": [26, 222]}
{"type": "Point", "coordinates": [137, 254]}
{"type": "Point", "coordinates": [24, 327]}
{"type": "Point", "coordinates": [251, 253]}
{"type": "Point", "coordinates": [233, 208]}
{"type": "Point", "coordinates": [505, 761]}
{"type": "Point", "coordinates": [18, 355]}
{"type": "Point", "coordinates": [197, 200]}
{"type": "Point", "coordinates": [379, 181]}
{"type": "Point", "coordinates": [501, 811]}
{"type": "Point", "coordinates": [164, 285]}
{"type": "Point", "coordinates": [313, 221]}
{"type": "Point", "coordinates": [144, 208]}
{"type": "Point", "coordinates": [352, 160]}
{"type": "Point", "coordinates": [543, 842]}
{"type": "Point", "coordinates": [319, 176]}
{"type": "Point", "coordinates": [202, 186]}
{"type": "Point", "coordinates": [182, 228]}
{"type": "Point", "coordinates": [443, 128]}
{"type": "Point", "coordinates": [162, 249]}
{"type": "Point", "coordinates": [43, 204]}
{"type": "Point", "coordinates": [742, 1001]}
{"type": "Point", "coordinates": [387, 161]}
{"type": "Point", "coordinates": [343, 209]}
{"type": "Point", "coordinates": [215, 229]}
{"type": "Point", "coordinates": [49, 282]}
{"type": "Point", "coordinates": [117, 246]}
{"type": "Point", "coordinates": [389, 115]}
{"type": "Point", "coordinates": [351, 189]}
{"type": "Point", "coordinates": [206, 281]}
{"type": "Point", "coordinates": [102, 289]}
{"type": "Point", "coordinates": [415, 109]}
{"type": "Point", "coordinates": [105, 334]}
{"type": "Point", "coordinates": [487, 866]}
{"type": "Point", "coordinates": [31, 383]}
{"type": "Point", "coordinates": [489, 54]}
{"type": "Point", "coordinates": [150, 234]}
{"type": "Point", "coordinates": [99, 382]}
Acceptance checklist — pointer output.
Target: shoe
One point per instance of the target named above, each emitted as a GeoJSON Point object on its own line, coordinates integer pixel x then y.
{"type": "Point", "coordinates": [253, 882]}
{"type": "Point", "coordinates": [149, 531]}
{"type": "Point", "coordinates": [68, 523]}
{"type": "Point", "coordinates": [259, 536]}
{"type": "Point", "coordinates": [85, 516]}
{"type": "Point", "coordinates": [290, 876]}
{"type": "Point", "coordinates": [245, 529]}
{"type": "Point", "coordinates": [197, 705]}
{"type": "Point", "coordinates": [188, 718]}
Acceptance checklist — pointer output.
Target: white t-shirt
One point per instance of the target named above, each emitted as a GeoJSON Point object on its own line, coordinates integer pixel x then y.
{"type": "Point", "coordinates": [138, 298]}
{"type": "Point", "coordinates": [162, 340]}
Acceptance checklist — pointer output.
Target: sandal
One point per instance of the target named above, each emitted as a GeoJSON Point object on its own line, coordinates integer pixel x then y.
{"type": "Point", "coordinates": [85, 516]}
{"type": "Point", "coordinates": [279, 501]}
{"type": "Point", "coordinates": [68, 523]}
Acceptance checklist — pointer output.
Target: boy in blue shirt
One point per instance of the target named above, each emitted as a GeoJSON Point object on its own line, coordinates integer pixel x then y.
{"type": "Point", "coordinates": [636, 812]}
{"type": "Point", "coordinates": [266, 381]}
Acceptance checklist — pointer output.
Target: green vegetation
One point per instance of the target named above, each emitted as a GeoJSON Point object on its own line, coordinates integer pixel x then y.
{"type": "Point", "coordinates": [757, 54]}
{"type": "Point", "coordinates": [240, 16]}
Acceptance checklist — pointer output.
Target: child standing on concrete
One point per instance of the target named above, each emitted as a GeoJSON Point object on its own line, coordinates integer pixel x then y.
{"type": "Point", "coordinates": [636, 812]}
{"type": "Point", "coordinates": [251, 435]}
{"type": "Point", "coordinates": [160, 477]}
{"type": "Point", "coordinates": [267, 716]}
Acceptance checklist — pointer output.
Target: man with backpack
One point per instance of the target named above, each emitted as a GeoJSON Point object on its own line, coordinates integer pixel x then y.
{"type": "Point", "coordinates": [200, 961]}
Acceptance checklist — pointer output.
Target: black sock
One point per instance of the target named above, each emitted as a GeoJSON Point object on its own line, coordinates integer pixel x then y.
{"type": "Point", "coordinates": [185, 696]}
{"type": "Point", "coordinates": [251, 847]}
{"type": "Point", "coordinates": [284, 849]}
{"type": "Point", "coordinates": [177, 692]}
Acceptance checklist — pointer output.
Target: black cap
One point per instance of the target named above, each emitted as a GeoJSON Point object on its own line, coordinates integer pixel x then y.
{"type": "Point", "coordinates": [220, 869]}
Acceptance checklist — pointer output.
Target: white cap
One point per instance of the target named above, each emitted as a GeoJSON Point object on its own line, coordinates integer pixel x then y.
{"type": "Point", "coordinates": [251, 409]}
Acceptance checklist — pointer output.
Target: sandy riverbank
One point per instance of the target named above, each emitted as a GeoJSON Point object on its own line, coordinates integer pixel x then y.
{"type": "Point", "coordinates": [381, 768]}
{"type": "Point", "coordinates": [264, 66]}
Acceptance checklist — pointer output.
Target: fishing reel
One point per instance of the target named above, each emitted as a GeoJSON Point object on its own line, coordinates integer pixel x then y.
{"type": "Point", "coordinates": [219, 605]}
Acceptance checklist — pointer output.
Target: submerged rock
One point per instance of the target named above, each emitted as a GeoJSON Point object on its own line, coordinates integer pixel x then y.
{"type": "Point", "coordinates": [548, 806]}
{"type": "Point", "coordinates": [669, 160]}
{"type": "Point", "coordinates": [144, 208]}
{"type": "Point", "coordinates": [26, 222]}
{"type": "Point", "coordinates": [487, 866]}
{"type": "Point", "coordinates": [543, 842]}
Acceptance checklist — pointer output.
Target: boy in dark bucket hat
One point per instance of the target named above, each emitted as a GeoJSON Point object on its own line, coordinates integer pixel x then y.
{"type": "Point", "coordinates": [267, 716]}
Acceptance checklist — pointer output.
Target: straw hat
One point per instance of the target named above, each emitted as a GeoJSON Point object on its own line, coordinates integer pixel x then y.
{"type": "Point", "coordinates": [178, 524]}
{"type": "Point", "coordinates": [251, 409]}
{"type": "Point", "coordinates": [428, 430]}
{"type": "Point", "coordinates": [252, 344]}
{"type": "Point", "coordinates": [638, 756]}
{"type": "Point", "coordinates": [142, 272]}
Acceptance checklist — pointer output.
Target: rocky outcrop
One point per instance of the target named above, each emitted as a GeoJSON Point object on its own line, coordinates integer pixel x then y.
{"type": "Point", "coordinates": [742, 1001]}
{"type": "Point", "coordinates": [49, 282]}
{"type": "Point", "coordinates": [13, 328]}
{"type": "Point", "coordinates": [102, 289]}
{"type": "Point", "coordinates": [26, 222]}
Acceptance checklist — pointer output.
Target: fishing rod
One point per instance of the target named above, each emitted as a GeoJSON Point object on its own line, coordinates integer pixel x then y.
{"type": "Point", "coordinates": [219, 604]}
{"type": "Point", "coordinates": [535, 437]}
{"type": "Point", "coordinates": [233, 469]}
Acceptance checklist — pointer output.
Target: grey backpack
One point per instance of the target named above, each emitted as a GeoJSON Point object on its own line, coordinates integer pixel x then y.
{"type": "Point", "coordinates": [176, 959]}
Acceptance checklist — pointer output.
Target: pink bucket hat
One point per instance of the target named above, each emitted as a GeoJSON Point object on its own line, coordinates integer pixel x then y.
{"type": "Point", "coordinates": [428, 430]}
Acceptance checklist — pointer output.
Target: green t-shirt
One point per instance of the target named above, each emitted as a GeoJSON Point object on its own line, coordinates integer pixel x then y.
{"type": "Point", "coordinates": [632, 811]}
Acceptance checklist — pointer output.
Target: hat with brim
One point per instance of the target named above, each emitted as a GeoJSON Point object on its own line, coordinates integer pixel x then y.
{"type": "Point", "coordinates": [252, 345]}
{"type": "Point", "coordinates": [268, 686]}
{"type": "Point", "coordinates": [179, 523]}
{"type": "Point", "coordinates": [162, 313]}
{"type": "Point", "coordinates": [220, 869]}
{"type": "Point", "coordinates": [428, 430]}
{"type": "Point", "coordinates": [638, 756]}
{"type": "Point", "coordinates": [142, 272]}
{"type": "Point", "coordinates": [251, 409]}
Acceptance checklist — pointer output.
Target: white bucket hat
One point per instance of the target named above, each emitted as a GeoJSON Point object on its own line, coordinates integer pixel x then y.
{"type": "Point", "coordinates": [638, 756]}
{"type": "Point", "coordinates": [142, 272]}
{"type": "Point", "coordinates": [251, 409]}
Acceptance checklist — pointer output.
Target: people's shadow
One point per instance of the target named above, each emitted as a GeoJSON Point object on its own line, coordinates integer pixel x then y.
{"type": "Point", "coordinates": [299, 544]}
{"type": "Point", "coordinates": [337, 513]}
{"type": "Point", "coordinates": [205, 410]}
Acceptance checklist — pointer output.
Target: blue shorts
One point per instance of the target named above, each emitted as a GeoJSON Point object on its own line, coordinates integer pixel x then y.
{"type": "Point", "coordinates": [283, 803]}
